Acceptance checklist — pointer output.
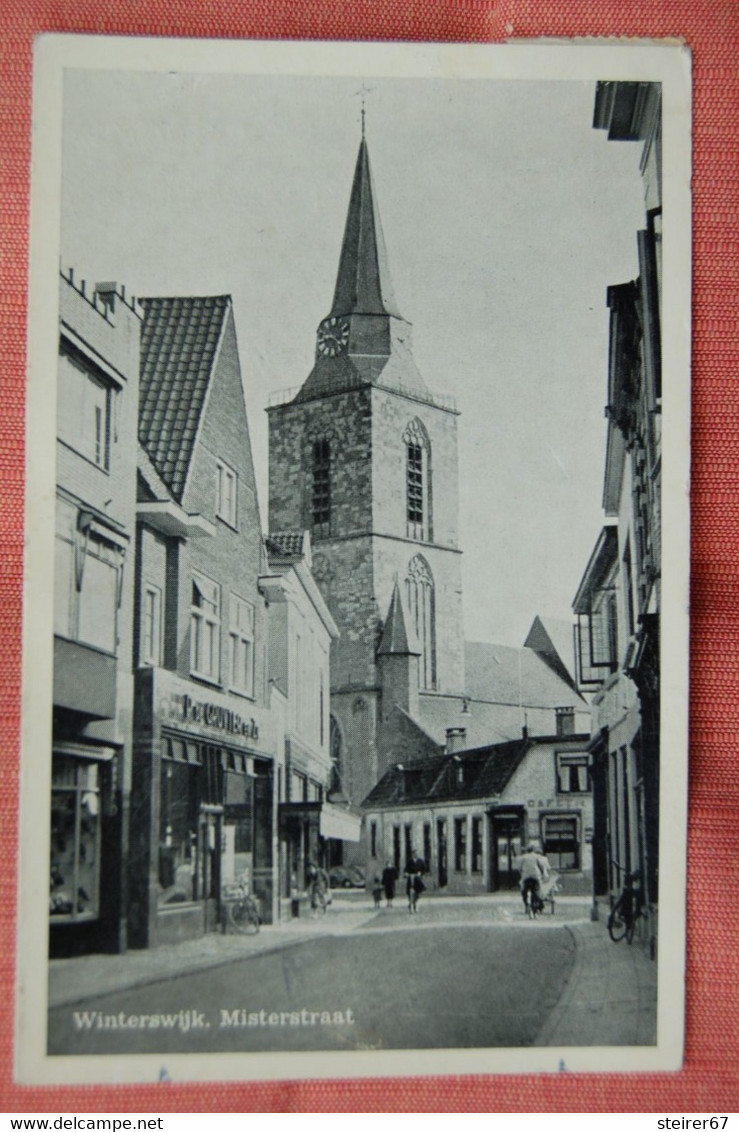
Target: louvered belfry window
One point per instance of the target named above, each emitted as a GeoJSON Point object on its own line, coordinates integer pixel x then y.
{"type": "Point", "coordinates": [417, 481]}
{"type": "Point", "coordinates": [321, 499]}
{"type": "Point", "coordinates": [415, 484]}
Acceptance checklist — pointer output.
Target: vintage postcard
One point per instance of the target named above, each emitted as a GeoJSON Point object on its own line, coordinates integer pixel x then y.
{"type": "Point", "coordinates": [356, 632]}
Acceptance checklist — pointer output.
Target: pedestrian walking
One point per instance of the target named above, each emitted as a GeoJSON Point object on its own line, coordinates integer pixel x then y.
{"type": "Point", "coordinates": [377, 892]}
{"type": "Point", "coordinates": [414, 885]}
{"type": "Point", "coordinates": [389, 880]}
{"type": "Point", "coordinates": [318, 889]}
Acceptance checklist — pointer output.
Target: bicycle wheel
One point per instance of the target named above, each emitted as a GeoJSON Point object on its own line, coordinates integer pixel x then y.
{"type": "Point", "coordinates": [244, 917]}
{"type": "Point", "coordinates": [630, 930]}
{"type": "Point", "coordinates": [617, 926]}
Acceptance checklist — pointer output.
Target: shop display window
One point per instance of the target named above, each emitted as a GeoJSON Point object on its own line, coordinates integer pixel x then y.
{"type": "Point", "coordinates": [561, 841]}
{"type": "Point", "coordinates": [179, 843]}
{"type": "Point", "coordinates": [75, 839]}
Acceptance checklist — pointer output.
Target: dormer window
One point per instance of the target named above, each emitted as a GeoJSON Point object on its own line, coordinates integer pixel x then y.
{"type": "Point", "coordinates": [565, 720]}
{"type": "Point", "coordinates": [226, 494]}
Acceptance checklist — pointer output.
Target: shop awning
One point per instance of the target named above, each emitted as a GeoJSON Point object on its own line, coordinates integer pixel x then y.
{"type": "Point", "coordinates": [333, 821]}
{"type": "Point", "coordinates": [337, 822]}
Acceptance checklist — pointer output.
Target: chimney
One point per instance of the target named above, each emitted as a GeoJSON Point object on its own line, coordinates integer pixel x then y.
{"type": "Point", "coordinates": [107, 293]}
{"type": "Point", "coordinates": [456, 739]}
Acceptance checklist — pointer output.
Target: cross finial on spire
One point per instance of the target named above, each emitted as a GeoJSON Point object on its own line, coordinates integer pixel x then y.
{"type": "Point", "coordinates": [362, 93]}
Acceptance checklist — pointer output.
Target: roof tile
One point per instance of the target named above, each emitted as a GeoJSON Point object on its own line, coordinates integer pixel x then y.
{"type": "Point", "coordinates": [179, 339]}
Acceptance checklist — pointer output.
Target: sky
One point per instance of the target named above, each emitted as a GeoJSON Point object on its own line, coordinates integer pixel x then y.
{"type": "Point", "coordinates": [506, 216]}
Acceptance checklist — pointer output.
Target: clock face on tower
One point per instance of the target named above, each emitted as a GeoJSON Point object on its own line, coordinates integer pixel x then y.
{"type": "Point", "coordinates": [333, 335]}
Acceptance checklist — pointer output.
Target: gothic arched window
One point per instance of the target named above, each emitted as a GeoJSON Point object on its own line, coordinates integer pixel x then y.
{"type": "Point", "coordinates": [321, 493]}
{"type": "Point", "coordinates": [336, 750]}
{"type": "Point", "coordinates": [419, 588]}
{"type": "Point", "coordinates": [417, 481]}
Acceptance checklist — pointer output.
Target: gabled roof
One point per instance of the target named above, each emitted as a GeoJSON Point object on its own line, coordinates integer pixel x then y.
{"type": "Point", "coordinates": [553, 640]}
{"type": "Point", "coordinates": [502, 674]}
{"type": "Point", "coordinates": [480, 773]}
{"type": "Point", "coordinates": [363, 282]}
{"type": "Point", "coordinates": [398, 636]}
{"type": "Point", "coordinates": [179, 346]}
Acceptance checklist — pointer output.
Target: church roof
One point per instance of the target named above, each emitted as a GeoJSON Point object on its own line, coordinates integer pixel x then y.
{"type": "Point", "coordinates": [483, 722]}
{"type": "Point", "coordinates": [363, 282]}
{"type": "Point", "coordinates": [553, 639]}
{"type": "Point", "coordinates": [179, 344]}
{"type": "Point", "coordinates": [398, 636]}
{"type": "Point", "coordinates": [502, 674]}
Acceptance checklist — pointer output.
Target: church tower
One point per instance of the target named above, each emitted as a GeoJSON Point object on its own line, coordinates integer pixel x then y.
{"type": "Point", "coordinates": [365, 457]}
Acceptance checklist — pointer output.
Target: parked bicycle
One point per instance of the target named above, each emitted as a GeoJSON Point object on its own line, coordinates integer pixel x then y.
{"type": "Point", "coordinates": [241, 908]}
{"type": "Point", "coordinates": [627, 909]}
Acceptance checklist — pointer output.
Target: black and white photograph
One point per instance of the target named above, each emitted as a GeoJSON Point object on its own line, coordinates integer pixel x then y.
{"type": "Point", "coordinates": [355, 734]}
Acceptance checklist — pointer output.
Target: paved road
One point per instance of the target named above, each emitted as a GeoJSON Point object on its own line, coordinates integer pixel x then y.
{"type": "Point", "coordinates": [403, 982]}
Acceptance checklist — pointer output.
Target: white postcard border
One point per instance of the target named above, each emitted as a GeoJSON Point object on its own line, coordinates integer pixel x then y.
{"type": "Point", "coordinates": [565, 61]}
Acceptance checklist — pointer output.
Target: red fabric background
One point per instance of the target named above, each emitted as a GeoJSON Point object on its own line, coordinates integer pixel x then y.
{"type": "Point", "coordinates": [709, 1081]}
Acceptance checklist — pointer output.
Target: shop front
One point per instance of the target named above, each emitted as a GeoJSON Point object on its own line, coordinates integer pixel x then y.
{"type": "Point", "coordinates": [203, 806]}
{"type": "Point", "coordinates": [86, 895]}
{"type": "Point", "coordinates": [307, 832]}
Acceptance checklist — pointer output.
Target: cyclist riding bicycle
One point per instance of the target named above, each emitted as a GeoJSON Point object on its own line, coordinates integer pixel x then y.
{"type": "Point", "coordinates": [534, 871]}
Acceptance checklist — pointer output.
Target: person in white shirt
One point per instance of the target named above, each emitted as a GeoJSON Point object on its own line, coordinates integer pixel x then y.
{"type": "Point", "coordinates": [534, 871]}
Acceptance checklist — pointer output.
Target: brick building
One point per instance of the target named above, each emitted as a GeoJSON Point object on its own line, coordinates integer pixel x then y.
{"type": "Point", "coordinates": [618, 601]}
{"type": "Point", "coordinates": [93, 614]}
{"type": "Point", "coordinates": [364, 455]}
{"type": "Point", "coordinates": [208, 742]}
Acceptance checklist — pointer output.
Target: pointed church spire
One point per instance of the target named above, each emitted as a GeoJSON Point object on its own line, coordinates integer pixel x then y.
{"type": "Point", "coordinates": [363, 282]}
{"type": "Point", "coordinates": [398, 637]}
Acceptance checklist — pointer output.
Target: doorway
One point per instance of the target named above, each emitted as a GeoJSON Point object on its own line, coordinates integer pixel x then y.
{"type": "Point", "coordinates": [506, 843]}
{"type": "Point", "coordinates": [211, 840]}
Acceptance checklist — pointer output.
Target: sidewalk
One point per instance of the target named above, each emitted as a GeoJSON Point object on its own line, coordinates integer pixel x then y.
{"type": "Point", "coordinates": [610, 998]}
{"type": "Point", "coordinates": [72, 981]}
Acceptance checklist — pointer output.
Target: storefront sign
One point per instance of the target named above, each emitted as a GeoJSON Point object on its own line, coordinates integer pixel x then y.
{"type": "Point", "coordinates": [219, 718]}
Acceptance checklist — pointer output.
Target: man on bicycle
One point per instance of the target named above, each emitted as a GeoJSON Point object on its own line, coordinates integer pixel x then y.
{"type": "Point", "coordinates": [534, 871]}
